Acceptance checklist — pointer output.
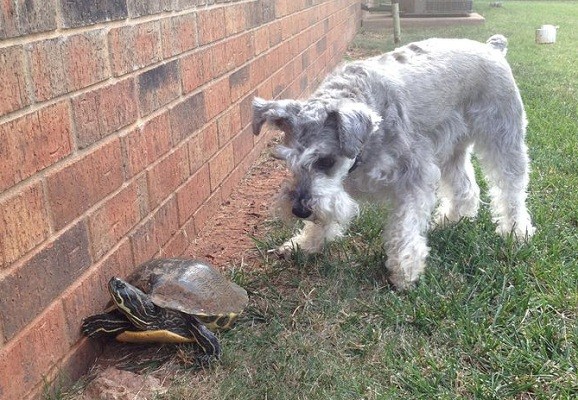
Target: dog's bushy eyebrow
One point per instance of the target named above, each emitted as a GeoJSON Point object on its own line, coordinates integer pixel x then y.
{"type": "Point", "coordinates": [281, 113]}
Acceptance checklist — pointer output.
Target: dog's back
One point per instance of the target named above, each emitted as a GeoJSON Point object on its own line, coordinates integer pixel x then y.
{"type": "Point", "coordinates": [436, 76]}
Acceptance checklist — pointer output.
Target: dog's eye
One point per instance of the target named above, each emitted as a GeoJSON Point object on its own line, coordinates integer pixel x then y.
{"type": "Point", "coordinates": [324, 163]}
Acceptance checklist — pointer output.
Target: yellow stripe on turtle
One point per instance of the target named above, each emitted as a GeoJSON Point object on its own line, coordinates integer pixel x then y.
{"type": "Point", "coordinates": [158, 336]}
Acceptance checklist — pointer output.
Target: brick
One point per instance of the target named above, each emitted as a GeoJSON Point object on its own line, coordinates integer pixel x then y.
{"type": "Point", "coordinates": [267, 12]}
{"type": "Point", "coordinates": [143, 146]}
{"type": "Point", "coordinates": [187, 117]}
{"type": "Point", "coordinates": [211, 25]}
{"type": "Point", "coordinates": [217, 98]}
{"type": "Point", "coordinates": [242, 144]}
{"type": "Point", "coordinates": [114, 219]}
{"type": "Point", "coordinates": [134, 46]}
{"type": "Point", "coordinates": [259, 13]}
{"type": "Point", "coordinates": [274, 60]}
{"type": "Point", "coordinates": [158, 86]}
{"type": "Point", "coordinates": [275, 34]}
{"type": "Point", "coordinates": [279, 82]}
{"type": "Point", "coordinates": [196, 69]}
{"type": "Point", "coordinates": [207, 210]}
{"type": "Point", "coordinates": [75, 188]}
{"type": "Point", "coordinates": [281, 8]}
{"type": "Point", "coordinates": [240, 82]}
{"type": "Point", "coordinates": [179, 34]}
{"type": "Point", "coordinates": [23, 223]}
{"type": "Point", "coordinates": [33, 142]}
{"type": "Point", "coordinates": [239, 50]}
{"type": "Point", "coordinates": [220, 62]}
{"type": "Point", "coordinates": [176, 245]}
{"type": "Point", "coordinates": [166, 176]}
{"type": "Point", "coordinates": [14, 95]}
{"type": "Point", "coordinates": [231, 183]}
{"type": "Point", "coordinates": [288, 27]}
{"type": "Point", "coordinates": [52, 269]}
{"type": "Point", "coordinates": [203, 146]}
{"type": "Point", "coordinates": [26, 17]}
{"type": "Point", "coordinates": [228, 125]}
{"type": "Point", "coordinates": [67, 63]}
{"type": "Point", "coordinates": [236, 18]}
{"type": "Point", "coordinates": [77, 13]}
{"type": "Point", "coordinates": [154, 232]}
{"type": "Point", "coordinates": [261, 71]}
{"type": "Point", "coordinates": [189, 232]}
{"type": "Point", "coordinates": [23, 363]}
{"type": "Point", "coordinates": [89, 294]}
{"type": "Point", "coordinates": [193, 194]}
{"type": "Point", "coordinates": [262, 39]}
{"type": "Point", "coordinates": [74, 366]}
{"type": "Point", "coordinates": [221, 165]}
{"type": "Point", "coordinates": [264, 90]}
{"type": "Point", "coordinates": [103, 111]}
{"type": "Point", "coordinates": [186, 4]}
{"type": "Point", "coordinates": [246, 108]}
{"type": "Point", "coordinates": [321, 46]}
{"type": "Point", "coordinates": [139, 8]}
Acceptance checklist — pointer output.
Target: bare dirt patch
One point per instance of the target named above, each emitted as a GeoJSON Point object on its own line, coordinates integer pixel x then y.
{"type": "Point", "coordinates": [228, 236]}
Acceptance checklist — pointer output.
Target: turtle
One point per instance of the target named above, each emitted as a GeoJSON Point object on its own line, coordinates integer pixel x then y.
{"type": "Point", "coordinates": [172, 300]}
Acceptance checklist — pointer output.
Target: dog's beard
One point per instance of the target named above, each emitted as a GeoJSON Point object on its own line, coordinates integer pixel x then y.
{"type": "Point", "coordinates": [329, 204]}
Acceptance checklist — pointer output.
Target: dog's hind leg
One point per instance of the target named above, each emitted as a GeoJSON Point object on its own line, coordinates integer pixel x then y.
{"type": "Point", "coordinates": [506, 165]}
{"type": "Point", "coordinates": [459, 194]}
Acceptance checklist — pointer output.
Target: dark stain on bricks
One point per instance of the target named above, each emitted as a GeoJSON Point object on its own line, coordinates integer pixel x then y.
{"type": "Point", "coordinates": [321, 46]}
{"type": "Point", "coordinates": [303, 83]}
{"type": "Point", "coordinates": [268, 10]}
{"type": "Point", "coordinates": [158, 86]}
{"type": "Point", "coordinates": [187, 117]}
{"type": "Point", "coordinates": [239, 77]}
{"type": "Point", "coordinates": [88, 12]}
{"type": "Point", "coordinates": [261, 12]}
{"type": "Point", "coordinates": [28, 291]}
{"type": "Point", "coordinates": [278, 90]}
{"type": "Point", "coordinates": [156, 77]}
{"type": "Point", "coordinates": [305, 60]}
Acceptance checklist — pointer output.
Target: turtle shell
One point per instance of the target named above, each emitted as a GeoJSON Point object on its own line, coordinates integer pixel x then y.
{"type": "Point", "coordinates": [190, 286]}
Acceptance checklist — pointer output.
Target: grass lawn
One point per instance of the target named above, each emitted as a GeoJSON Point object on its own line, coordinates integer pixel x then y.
{"type": "Point", "coordinates": [489, 320]}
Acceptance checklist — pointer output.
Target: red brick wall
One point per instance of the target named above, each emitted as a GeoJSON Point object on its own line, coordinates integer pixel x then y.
{"type": "Point", "coordinates": [123, 125]}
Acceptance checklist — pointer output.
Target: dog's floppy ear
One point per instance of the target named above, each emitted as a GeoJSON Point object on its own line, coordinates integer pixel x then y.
{"type": "Point", "coordinates": [355, 122]}
{"type": "Point", "coordinates": [281, 113]}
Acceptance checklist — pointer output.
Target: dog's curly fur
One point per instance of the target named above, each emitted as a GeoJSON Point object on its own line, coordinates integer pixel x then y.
{"type": "Point", "coordinates": [398, 128]}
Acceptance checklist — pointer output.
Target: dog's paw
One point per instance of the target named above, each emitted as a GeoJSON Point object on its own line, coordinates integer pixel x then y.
{"type": "Point", "coordinates": [400, 283]}
{"type": "Point", "coordinates": [284, 251]}
{"type": "Point", "coordinates": [521, 233]}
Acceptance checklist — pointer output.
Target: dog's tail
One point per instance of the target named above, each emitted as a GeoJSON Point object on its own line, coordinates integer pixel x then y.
{"type": "Point", "coordinates": [498, 42]}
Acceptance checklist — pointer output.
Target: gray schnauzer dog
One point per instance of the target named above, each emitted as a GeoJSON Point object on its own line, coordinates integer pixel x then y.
{"type": "Point", "coordinates": [397, 129]}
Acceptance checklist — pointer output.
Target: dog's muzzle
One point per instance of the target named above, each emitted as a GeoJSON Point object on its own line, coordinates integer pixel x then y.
{"type": "Point", "coordinates": [300, 210]}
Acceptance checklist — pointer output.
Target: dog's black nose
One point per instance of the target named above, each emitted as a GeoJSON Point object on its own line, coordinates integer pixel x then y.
{"type": "Point", "coordinates": [301, 211]}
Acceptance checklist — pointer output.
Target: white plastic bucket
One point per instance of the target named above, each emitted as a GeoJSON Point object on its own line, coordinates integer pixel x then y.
{"type": "Point", "coordinates": [546, 34]}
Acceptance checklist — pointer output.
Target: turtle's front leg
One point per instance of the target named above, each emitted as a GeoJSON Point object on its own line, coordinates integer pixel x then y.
{"type": "Point", "coordinates": [109, 324]}
{"type": "Point", "coordinates": [206, 339]}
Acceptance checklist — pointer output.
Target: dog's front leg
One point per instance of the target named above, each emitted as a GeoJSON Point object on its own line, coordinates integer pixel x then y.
{"type": "Point", "coordinates": [311, 238]}
{"type": "Point", "coordinates": [405, 240]}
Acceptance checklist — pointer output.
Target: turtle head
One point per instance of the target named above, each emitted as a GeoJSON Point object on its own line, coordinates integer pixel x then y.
{"type": "Point", "coordinates": [133, 303]}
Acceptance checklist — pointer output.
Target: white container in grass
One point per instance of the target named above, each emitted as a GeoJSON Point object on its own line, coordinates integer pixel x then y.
{"type": "Point", "coordinates": [546, 34]}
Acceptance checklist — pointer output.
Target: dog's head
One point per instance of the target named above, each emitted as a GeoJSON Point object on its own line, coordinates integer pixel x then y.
{"type": "Point", "coordinates": [322, 140]}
